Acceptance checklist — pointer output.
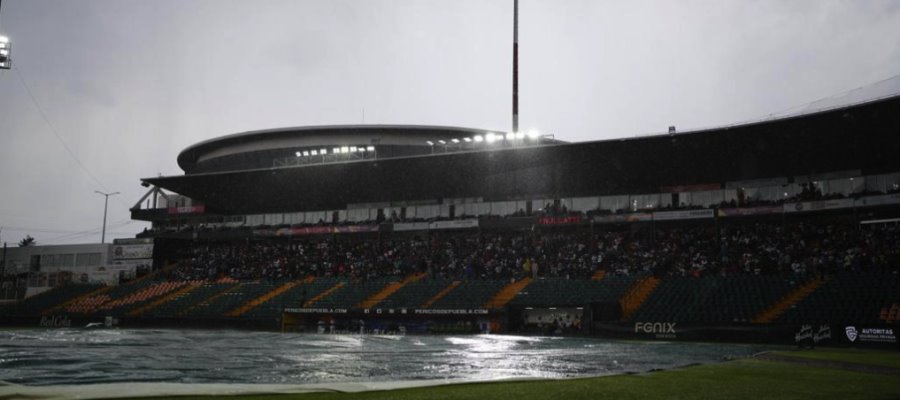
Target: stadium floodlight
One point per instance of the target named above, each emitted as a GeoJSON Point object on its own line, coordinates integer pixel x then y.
{"type": "Point", "coordinates": [336, 150]}
{"type": "Point", "coordinates": [467, 139]}
{"type": "Point", "coordinates": [370, 148]}
{"type": "Point", "coordinates": [442, 141]}
{"type": "Point", "coordinates": [353, 149]}
{"type": "Point", "coordinates": [4, 52]}
{"type": "Point", "coordinates": [298, 154]}
{"type": "Point", "coordinates": [478, 138]}
{"type": "Point", "coordinates": [454, 140]}
{"type": "Point", "coordinates": [490, 137]}
{"type": "Point", "coordinates": [533, 134]}
{"type": "Point", "coordinates": [510, 136]}
{"type": "Point", "coordinates": [345, 149]}
{"type": "Point", "coordinates": [520, 135]}
{"type": "Point", "coordinates": [314, 152]}
{"type": "Point", "coordinates": [305, 153]}
{"type": "Point", "coordinates": [430, 143]}
{"type": "Point", "coordinates": [323, 151]}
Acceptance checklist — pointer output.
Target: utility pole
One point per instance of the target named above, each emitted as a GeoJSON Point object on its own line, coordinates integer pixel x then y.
{"type": "Point", "coordinates": [105, 204]}
{"type": "Point", "coordinates": [515, 99]}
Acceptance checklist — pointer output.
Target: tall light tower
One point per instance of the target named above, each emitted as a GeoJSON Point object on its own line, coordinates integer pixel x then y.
{"type": "Point", "coordinates": [105, 204]}
{"type": "Point", "coordinates": [515, 99]}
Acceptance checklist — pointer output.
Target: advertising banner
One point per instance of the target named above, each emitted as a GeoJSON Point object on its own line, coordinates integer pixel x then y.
{"type": "Point", "coordinates": [462, 311]}
{"type": "Point", "coordinates": [809, 335]}
{"type": "Point", "coordinates": [818, 205]}
{"type": "Point", "coordinates": [454, 224]}
{"type": "Point", "coordinates": [315, 230]}
{"type": "Point", "coordinates": [410, 226]}
{"type": "Point", "coordinates": [683, 214]}
{"type": "Point", "coordinates": [742, 212]}
{"type": "Point", "coordinates": [882, 200]}
{"type": "Point", "coordinates": [314, 310]}
{"type": "Point", "coordinates": [197, 209]}
{"type": "Point", "coordinates": [618, 218]}
{"type": "Point", "coordinates": [132, 251]}
{"type": "Point", "coordinates": [870, 335]}
{"type": "Point", "coordinates": [568, 220]}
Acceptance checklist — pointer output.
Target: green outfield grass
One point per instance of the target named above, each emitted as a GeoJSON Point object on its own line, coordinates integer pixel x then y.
{"type": "Point", "coordinates": [740, 379]}
{"type": "Point", "coordinates": [871, 357]}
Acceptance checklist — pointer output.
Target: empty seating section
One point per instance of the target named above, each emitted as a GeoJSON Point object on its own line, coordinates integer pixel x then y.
{"type": "Point", "coordinates": [45, 301]}
{"type": "Point", "coordinates": [470, 294]}
{"type": "Point", "coordinates": [847, 297]}
{"type": "Point", "coordinates": [415, 294]}
{"type": "Point", "coordinates": [187, 300]}
{"type": "Point", "coordinates": [90, 304]}
{"type": "Point", "coordinates": [731, 299]}
{"type": "Point", "coordinates": [123, 305]}
{"type": "Point", "coordinates": [352, 293]}
{"type": "Point", "coordinates": [226, 301]}
{"type": "Point", "coordinates": [295, 297]}
{"type": "Point", "coordinates": [573, 292]}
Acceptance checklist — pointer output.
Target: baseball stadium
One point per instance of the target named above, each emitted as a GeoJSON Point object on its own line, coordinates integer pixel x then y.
{"type": "Point", "coordinates": [779, 232]}
{"type": "Point", "coordinates": [754, 260]}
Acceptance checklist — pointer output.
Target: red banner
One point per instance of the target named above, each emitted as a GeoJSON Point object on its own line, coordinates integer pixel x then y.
{"type": "Point", "coordinates": [197, 209]}
{"type": "Point", "coordinates": [569, 220]}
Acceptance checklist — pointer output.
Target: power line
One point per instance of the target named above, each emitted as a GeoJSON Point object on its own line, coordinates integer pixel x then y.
{"type": "Point", "coordinates": [57, 135]}
{"type": "Point", "coordinates": [53, 128]}
{"type": "Point", "coordinates": [64, 231]}
{"type": "Point", "coordinates": [69, 235]}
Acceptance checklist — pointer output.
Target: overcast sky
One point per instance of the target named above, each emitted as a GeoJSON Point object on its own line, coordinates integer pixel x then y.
{"type": "Point", "coordinates": [121, 86]}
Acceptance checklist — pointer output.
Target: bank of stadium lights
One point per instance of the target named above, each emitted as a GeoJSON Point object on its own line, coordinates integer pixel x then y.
{"type": "Point", "coordinates": [4, 52]}
{"type": "Point", "coordinates": [532, 137]}
{"type": "Point", "coordinates": [336, 150]}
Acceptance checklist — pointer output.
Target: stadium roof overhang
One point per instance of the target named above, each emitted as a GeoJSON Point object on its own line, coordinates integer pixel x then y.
{"type": "Point", "coordinates": [865, 137]}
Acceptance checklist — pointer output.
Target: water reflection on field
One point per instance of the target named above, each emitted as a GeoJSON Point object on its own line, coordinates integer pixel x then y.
{"type": "Point", "coordinates": [71, 356]}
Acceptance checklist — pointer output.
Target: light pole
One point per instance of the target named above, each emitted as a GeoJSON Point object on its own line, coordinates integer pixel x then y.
{"type": "Point", "coordinates": [105, 204]}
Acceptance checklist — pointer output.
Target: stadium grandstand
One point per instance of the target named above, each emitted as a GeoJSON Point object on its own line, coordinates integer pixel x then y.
{"type": "Point", "coordinates": [757, 231]}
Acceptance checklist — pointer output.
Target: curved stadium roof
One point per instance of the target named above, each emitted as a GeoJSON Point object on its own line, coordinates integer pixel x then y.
{"type": "Point", "coordinates": [288, 140]}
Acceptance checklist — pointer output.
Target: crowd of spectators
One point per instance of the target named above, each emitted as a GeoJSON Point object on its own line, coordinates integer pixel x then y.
{"type": "Point", "coordinates": [759, 248]}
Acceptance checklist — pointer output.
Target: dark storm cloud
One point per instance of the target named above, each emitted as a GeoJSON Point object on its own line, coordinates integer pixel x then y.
{"type": "Point", "coordinates": [127, 84]}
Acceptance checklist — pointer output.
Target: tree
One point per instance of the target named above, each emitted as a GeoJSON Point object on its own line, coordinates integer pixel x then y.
{"type": "Point", "coordinates": [28, 241]}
